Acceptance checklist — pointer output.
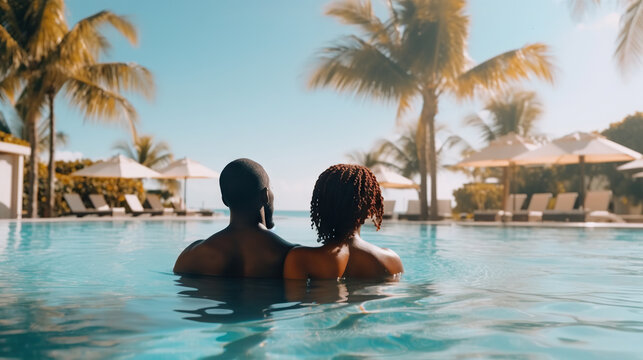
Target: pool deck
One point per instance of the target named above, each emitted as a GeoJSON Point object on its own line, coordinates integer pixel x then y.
{"type": "Point", "coordinates": [222, 217]}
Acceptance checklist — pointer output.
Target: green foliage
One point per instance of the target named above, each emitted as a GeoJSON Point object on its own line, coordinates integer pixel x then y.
{"type": "Point", "coordinates": [628, 132]}
{"type": "Point", "coordinates": [511, 111]}
{"type": "Point", "coordinates": [8, 138]}
{"type": "Point", "coordinates": [113, 189]}
{"type": "Point", "coordinates": [477, 196]}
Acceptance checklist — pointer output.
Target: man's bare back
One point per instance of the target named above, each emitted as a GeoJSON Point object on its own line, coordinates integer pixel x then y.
{"type": "Point", "coordinates": [236, 252]}
{"type": "Point", "coordinates": [245, 248]}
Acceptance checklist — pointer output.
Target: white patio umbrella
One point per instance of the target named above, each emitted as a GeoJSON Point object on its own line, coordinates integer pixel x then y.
{"type": "Point", "coordinates": [392, 180]}
{"type": "Point", "coordinates": [632, 165]}
{"type": "Point", "coordinates": [578, 148]}
{"type": "Point", "coordinates": [187, 169]}
{"type": "Point", "coordinates": [118, 166]}
{"type": "Point", "coordinates": [500, 153]}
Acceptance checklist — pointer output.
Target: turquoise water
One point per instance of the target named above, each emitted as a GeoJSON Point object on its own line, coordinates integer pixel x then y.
{"type": "Point", "coordinates": [79, 290]}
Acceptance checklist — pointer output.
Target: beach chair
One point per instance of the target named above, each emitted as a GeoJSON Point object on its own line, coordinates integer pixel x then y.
{"type": "Point", "coordinates": [179, 209]}
{"type": "Point", "coordinates": [564, 205]}
{"type": "Point", "coordinates": [78, 208]}
{"type": "Point", "coordinates": [514, 203]}
{"type": "Point", "coordinates": [389, 206]}
{"type": "Point", "coordinates": [99, 203]}
{"type": "Point", "coordinates": [136, 208]}
{"type": "Point", "coordinates": [444, 209]}
{"type": "Point", "coordinates": [595, 209]}
{"type": "Point", "coordinates": [412, 211]}
{"type": "Point", "coordinates": [534, 212]}
{"type": "Point", "coordinates": [154, 201]}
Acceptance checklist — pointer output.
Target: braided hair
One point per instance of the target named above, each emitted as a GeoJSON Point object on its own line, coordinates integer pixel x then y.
{"type": "Point", "coordinates": [343, 198]}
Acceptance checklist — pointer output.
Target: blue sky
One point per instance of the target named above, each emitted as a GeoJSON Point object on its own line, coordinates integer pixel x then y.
{"type": "Point", "coordinates": [231, 82]}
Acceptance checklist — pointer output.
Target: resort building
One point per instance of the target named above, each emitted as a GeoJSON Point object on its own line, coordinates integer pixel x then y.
{"type": "Point", "coordinates": [11, 173]}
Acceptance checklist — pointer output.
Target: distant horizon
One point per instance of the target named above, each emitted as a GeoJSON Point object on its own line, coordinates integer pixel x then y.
{"type": "Point", "coordinates": [231, 83]}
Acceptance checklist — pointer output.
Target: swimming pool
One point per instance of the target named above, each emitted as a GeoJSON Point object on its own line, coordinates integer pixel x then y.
{"type": "Point", "coordinates": [105, 290]}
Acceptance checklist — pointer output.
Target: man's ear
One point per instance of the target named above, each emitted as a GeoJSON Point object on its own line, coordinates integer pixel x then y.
{"type": "Point", "coordinates": [225, 202]}
{"type": "Point", "coordinates": [263, 196]}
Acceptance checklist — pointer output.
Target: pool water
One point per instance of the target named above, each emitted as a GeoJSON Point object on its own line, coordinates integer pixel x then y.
{"type": "Point", "coordinates": [104, 289]}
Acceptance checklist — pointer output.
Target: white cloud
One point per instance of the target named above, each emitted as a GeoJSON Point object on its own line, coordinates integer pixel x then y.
{"type": "Point", "coordinates": [65, 155]}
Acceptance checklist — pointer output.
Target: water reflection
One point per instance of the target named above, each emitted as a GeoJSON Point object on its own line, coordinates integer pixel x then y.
{"type": "Point", "coordinates": [239, 300]}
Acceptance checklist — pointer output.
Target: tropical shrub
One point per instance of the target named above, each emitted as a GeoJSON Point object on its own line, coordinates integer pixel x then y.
{"type": "Point", "coordinates": [478, 196]}
{"type": "Point", "coordinates": [8, 138]}
{"type": "Point", "coordinates": [114, 189]}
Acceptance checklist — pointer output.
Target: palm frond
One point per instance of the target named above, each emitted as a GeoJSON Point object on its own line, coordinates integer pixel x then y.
{"type": "Point", "coordinates": [97, 102]}
{"type": "Point", "coordinates": [11, 52]}
{"type": "Point", "coordinates": [49, 15]}
{"type": "Point", "coordinates": [487, 131]}
{"type": "Point", "coordinates": [434, 38]}
{"type": "Point", "coordinates": [630, 36]}
{"type": "Point", "coordinates": [121, 77]}
{"type": "Point", "coordinates": [10, 85]}
{"type": "Point", "coordinates": [84, 42]}
{"type": "Point", "coordinates": [502, 70]}
{"type": "Point", "coordinates": [361, 68]}
{"type": "Point", "coordinates": [360, 13]}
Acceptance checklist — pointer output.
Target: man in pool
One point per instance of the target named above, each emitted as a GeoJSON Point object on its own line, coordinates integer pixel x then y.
{"type": "Point", "coordinates": [245, 248]}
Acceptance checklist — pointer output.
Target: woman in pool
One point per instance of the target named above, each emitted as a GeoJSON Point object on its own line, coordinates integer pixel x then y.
{"type": "Point", "coordinates": [345, 196]}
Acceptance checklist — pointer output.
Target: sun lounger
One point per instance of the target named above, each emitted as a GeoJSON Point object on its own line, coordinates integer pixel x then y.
{"type": "Point", "coordinates": [595, 208]}
{"type": "Point", "coordinates": [98, 200]}
{"type": "Point", "coordinates": [444, 209]}
{"type": "Point", "coordinates": [155, 203]}
{"type": "Point", "coordinates": [389, 206]}
{"type": "Point", "coordinates": [136, 208]}
{"type": "Point", "coordinates": [514, 203]}
{"type": "Point", "coordinates": [534, 212]}
{"type": "Point", "coordinates": [412, 211]}
{"type": "Point", "coordinates": [78, 208]}
{"type": "Point", "coordinates": [564, 205]}
{"type": "Point", "coordinates": [180, 210]}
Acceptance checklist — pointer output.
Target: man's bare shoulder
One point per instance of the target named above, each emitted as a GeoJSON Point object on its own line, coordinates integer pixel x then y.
{"type": "Point", "coordinates": [200, 256]}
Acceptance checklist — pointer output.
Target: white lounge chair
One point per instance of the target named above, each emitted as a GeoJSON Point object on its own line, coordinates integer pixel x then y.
{"type": "Point", "coordinates": [514, 203]}
{"type": "Point", "coordinates": [444, 209]}
{"type": "Point", "coordinates": [98, 200]}
{"type": "Point", "coordinates": [136, 208]}
{"type": "Point", "coordinates": [534, 212]}
{"type": "Point", "coordinates": [595, 208]}
{"type": "Point", "coordinates": [155, 203]}
{"type": "Point", "coordinates": [78, 208]}
{"type": "Point", "coordinates": [179, 209]}
{"type": "Point", "coordinates": [412, 210]}
{"type": "Point", "coordinates": [564, 205]}
{"type": "Point", "coordinates": [389, 207]}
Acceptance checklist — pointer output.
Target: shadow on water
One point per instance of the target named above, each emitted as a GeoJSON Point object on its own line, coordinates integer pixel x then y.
{"type": "Point", "coordinates": [237, 300]}
{"type": "Point", "coordinates": [248, 307]}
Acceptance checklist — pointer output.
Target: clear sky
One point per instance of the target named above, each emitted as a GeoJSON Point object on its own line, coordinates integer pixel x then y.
{"type": "Point", "coordinates": [231, 82]}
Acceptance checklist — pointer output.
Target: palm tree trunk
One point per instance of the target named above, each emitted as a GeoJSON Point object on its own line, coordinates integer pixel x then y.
{"type": "Point", "coordinates": [32, 178]}
{"type": "Point", "coordinates": [421, 149]}
{"type": "Point", "coordinates": [429, 110]}
{"type": "Point", "coordinates": [51, 171]}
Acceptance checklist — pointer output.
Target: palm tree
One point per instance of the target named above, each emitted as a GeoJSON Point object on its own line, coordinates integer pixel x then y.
{"type": "Point", "coordinates": [629, 43]}
{"type": "Point", "coordinates": [418, 53]}
{"type": "Point", "coordinates": [146, 151]}
{"type": "Point", "coordinates": [366, 158]}
{"type": "Point", "coordinates": [403, 152]}
{"type": "Point", "coordinates": [510, 111]}
{"type": "Point", "coordinates": [41, 56]}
